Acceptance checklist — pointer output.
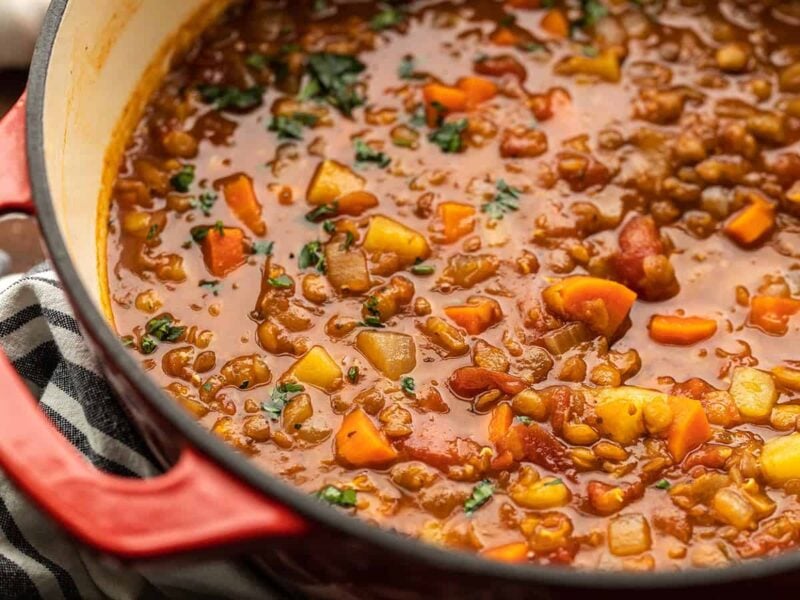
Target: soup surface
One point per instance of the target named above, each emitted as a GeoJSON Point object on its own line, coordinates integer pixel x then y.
{"type": "Point", "coordinates": [516, 277]}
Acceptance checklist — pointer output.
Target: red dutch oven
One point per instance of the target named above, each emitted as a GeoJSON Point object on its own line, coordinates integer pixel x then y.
{"type": "Point", "coordinates": [93, 68]}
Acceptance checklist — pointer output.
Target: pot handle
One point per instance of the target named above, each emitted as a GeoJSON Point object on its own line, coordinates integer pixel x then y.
{"type": "Point", "coordinates": [195, 506]}
{"type": "Point", "coordinates": [15, 188]}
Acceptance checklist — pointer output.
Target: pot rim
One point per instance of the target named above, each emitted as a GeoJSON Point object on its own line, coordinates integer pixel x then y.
{"type": "Point", "coordinates": [98, 329]}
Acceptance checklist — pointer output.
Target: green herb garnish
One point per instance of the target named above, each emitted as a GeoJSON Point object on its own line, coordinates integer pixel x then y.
{"type": "Point", "coordinates": [556, 481]}
{"type": "Point", "coordinates": [371, 306]}
{"type": "Point", "coordinates": [418, 117]}
{"type": "Point", "coordinates": [262, 248]}
{"type": "Point", "coordinates": [163, 328]}
{"type": "Point", "coordinates": [352, 374]}
{"type": "Point", "coordinates": [257, 61]}
{"type": "Point", "coordinates": [524, 420]}
{"type": "Point", "coordinates": [366, 154]}
{"type": "Point", "coordinates": [334, 78]}
{"type": "Point", "coordinates": [152, 232]}
{"type": "Point", "coordinates": [329, 227]}
{"type": "Point", "coordinates": [127, 341]}
{"type": "Point", "coordinates": [279, 397]}
{"type": "Point", "coordinates": [212, 285]}
{"type": "Point", "coordinates": [281, 282]}
{"type": "Point", "coordinates": [148, 345]}
{"type": "Point", "coordinates": [181, 180]}
{"type": "Point", "coordinates": [205, 202]}
{"type": "Point", "coordinates": [408, 385]}
{"type": "Point", "coordinates": [200, 233]}
{"type": "Point", "coordinates": [230, 97]}
{"type": "Point", "coordinates": [448, 136]}
{"type": "Point", "coordinates": [505, 201]}
{"type": "Point", "coordinates": [593, 11]}
{"type": "Point", "coordinates": [335, 496]}
{"type": "Point", "coordinates": [371, 322]}
{"type": "Point", "coordinates": [663, 484]}
{"type": "Point", "coordinates": [423, 269]}
{"type": "Point", "coordinates": [481, 494]}
{"type": "Point", "coordinates": [407, 68]}
{"type": "Point", "coordinates": [290, 127]}
{"type": "Point", "coordinates": [323, 212]}
{"type": "Point", "coordinates": [389, 16]}
{"type": "Point", "coordinates": [312, 256]}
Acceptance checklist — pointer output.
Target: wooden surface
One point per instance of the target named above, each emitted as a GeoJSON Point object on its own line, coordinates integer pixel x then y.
{"type": "Point", "coordinates": [19, 236]}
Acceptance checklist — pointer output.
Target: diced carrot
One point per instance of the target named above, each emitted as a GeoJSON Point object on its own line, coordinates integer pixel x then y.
{"type": "Point", "coordinates": [241, 197]}
{"type": "Point", "coordinates": [751, 223]}
{"type": "Point", "coordinates": [360, 444]}
{"type": "Point", "coordinates": [439, 98]}
{"type": "Point", "coordinates": [457, 219]}
{"type": "Point", "coordinates": [500, 423]}
{"type": "Point", "coordinates": [511, 553]}
{"type": "Point", "coordinates": [477, 315]}
{"type": "Point", "coordinates": [223, 250]}
{"type": "Point", "coordinates": [477, 89]}
{"type": "Point", "coordinates": [681, 331]}
{"type": "Point", "coordinates": [504, 37]}
{"type": "Point", "coordinates": [355, 203]}
{"type": "Point", "coordinates": [689, 426]}
{"type": "Point", "coordinates": [772, 313]}
{"type": "Point", "coordinates": [601, 304]}
{"type": "Point", "coordinates": [502, 462]}
{"type": "Point", "coordinates": [555, 23]}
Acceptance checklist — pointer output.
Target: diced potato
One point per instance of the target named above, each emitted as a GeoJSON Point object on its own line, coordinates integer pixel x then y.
{"type": "Point", "coordinates": [621, 411]}
{"type": "Point", "coordinates": [605, 65]}
{"type": "Point", "coordinates": [317, 368]}
{"type": "Point", "coordinates": [780, 459]}
{"type": "Point", "coordinates": [393, 354]}
{"type": "Point", "coordinates": [331, 181]}
{"type": "Point", "coordinates": [784, 417]}
{"type": "Point", "coordinates": [754, 393]}
{"type": "Point", "coordinates": [387, 235]}
{"type": "Point", "coordinates": [346, 268]}
{"type": "Point", "coordinates": [539, 494]}
{"type": "Point", "coordinates": [787, 377]}
{"type": "Point", "coordinates": [733, 507]}
{"type": "Point", "coordinates": [629, 535]}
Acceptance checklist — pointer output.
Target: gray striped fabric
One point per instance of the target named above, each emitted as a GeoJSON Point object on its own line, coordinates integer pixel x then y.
{"type": "Point", "coordinates": [42, 339]}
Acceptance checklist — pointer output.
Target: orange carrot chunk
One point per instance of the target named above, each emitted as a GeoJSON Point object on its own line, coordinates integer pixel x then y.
{"type": "Point", "coordinates": [511, 553]}
{"type": "Point", "coordinates": [504, 37]}
{"type": "Point", "coordinates": [441, 99]}
{"type": "Point", "coordinates": [477, 89]}
{"type": "Point", "coordinates": [681, 331]}
{"type": "Point", "coordinates": [241, 197]}
{"type": "Point", "coordinates": [689, 427]}
{"type": "Point", "coordinates": [457, 220]}
{"type": "Point", "coordinates": [360, 444]}
{"type": "Point", "coordinates": [477, 315]}
{"type": "Point", "coordinates": [601, 304]}
{"type": "Point", "coordinates": [751, 223]}
{"type": "Point", "coordinates": [500, 422]}
{"type": "Point", "coordinates": [555, 23]}
{"type": "Point", "coordinates": [355, 203]}
{"type": "Point", "coordinates": [772, 313]}
{"type": "Point", "coordinates": [223, 250]}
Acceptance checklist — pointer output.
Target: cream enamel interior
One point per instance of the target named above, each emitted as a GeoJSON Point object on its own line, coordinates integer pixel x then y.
{"type": "Point", "coordinates": [108, 57]}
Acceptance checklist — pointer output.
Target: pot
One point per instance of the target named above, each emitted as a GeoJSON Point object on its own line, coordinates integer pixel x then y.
{"type": "Point", "coordinates": [92, 72]}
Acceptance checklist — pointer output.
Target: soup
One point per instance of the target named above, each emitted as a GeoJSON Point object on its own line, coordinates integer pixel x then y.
{"type": "Point", "coordinates": [517, 278]}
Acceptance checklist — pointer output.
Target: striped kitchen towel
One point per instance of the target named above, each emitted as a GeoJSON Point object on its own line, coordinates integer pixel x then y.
{"type": "Point", "coordinates": [42, 339]}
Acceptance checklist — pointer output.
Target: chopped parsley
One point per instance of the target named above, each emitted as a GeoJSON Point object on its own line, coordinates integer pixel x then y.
{"type": "Point", "coordinates": [524, 420]}
{"type": "Point", "coordinates": [163, 328]}
{"type": "Point", "coordinates": [152, 232]}
{"type": "Point", "coordinates": [279, 397]}
{"type": "Point", "coordinates": [408, 385]}
{"type": "Point", "coordinates": [389, 16]}
{"type": "Point", "coordinates": [200, 233]}
{"type": "Point", "coordinates": [127, 341]}
{"type": "Point", "coordinates": [257, 61]}
{"type": "Point", "coordinates": [329, 226]}
{"type": "Point", "coordinates": [407, 68]}
{"type": "Point", "coordinates": [148, 345]}
{"type": "Point", "coordinates": [448, 136]}
{"type": "Point", "coordinates": [556, 481]}
{"type": "Point", "coordinates": [231, 98]}
{"type": "Point", "coordinates": [371, 321]}
{"type": "Point", "coordinates": [212, 285]}
{"type": "Point", "coordinates": [334, 78]}
{"type": "Point", "coordinates": [593, 11]}
{"type": "Point", "coordinates": [311, 256]}
{"type": "Point", "coordinates": [290, 127]}
{"type": "Point", "coordinates": [505, 201]}
{"type": "Point", "coordinates": [589, 51]}
{"type": "Point", "coordinates": [352, 374]}
{"type": "Point", "coordinates": [367, 154]}
{"type": "Point", "coordinates": [423, 269]}
{"type": "Point", "coordinates": [418, 117]}
{"type": "Point", "coordinates": [323, 212]}
{"type": "Point", "coordinates": [281, 282]}
{"type": "Point", "coordinates": [205, 202]}
{"type": "Point", "coordinates": [349, 238]}
{"type": "Point", "coordinates": [481, 494]}
{"type": "Point", "coordinates": [371, 306]}
{"type": "Point", "coordinates": [181, 180]}
{"type": "Point", "coordinates": [532, 47]}
{"type": "Point", "coordinates": [663, 484]}
{"type": "Point", "coordinates": [262, 248]}
{"type": "Point", "coordinates": [335, 496]}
